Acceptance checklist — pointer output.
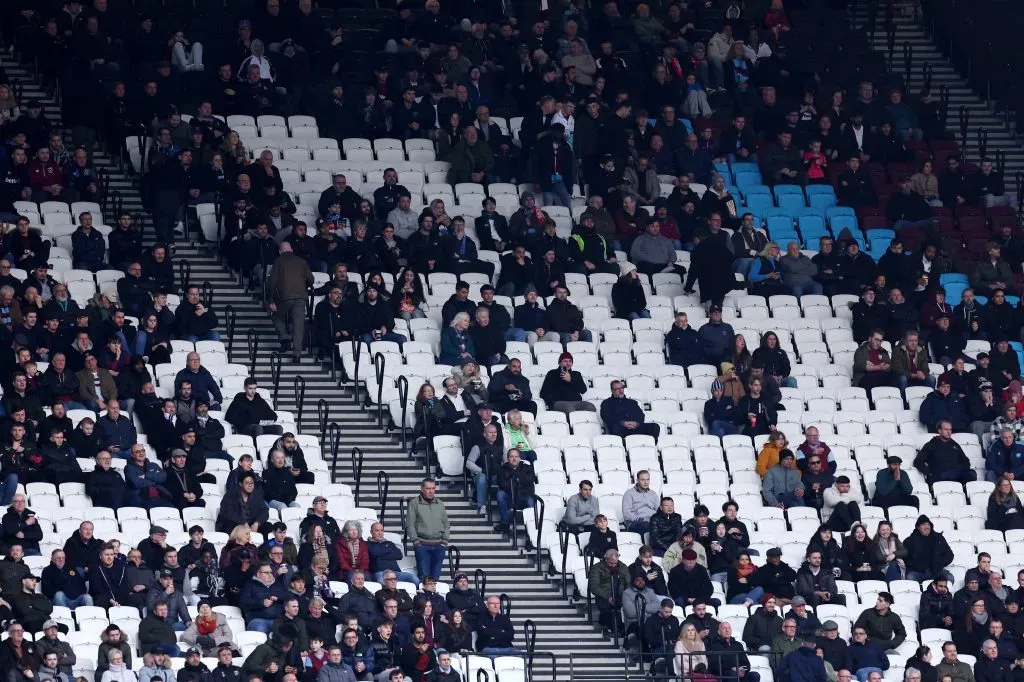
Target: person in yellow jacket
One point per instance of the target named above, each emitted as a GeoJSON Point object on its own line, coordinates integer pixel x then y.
{"type": "Point", "coordinates": [769, 455]}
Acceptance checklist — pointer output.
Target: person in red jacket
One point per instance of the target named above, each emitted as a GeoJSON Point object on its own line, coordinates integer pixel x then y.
{"type": "Point", "coordinates": [46, 177]}
{"type": "Point", "coordinates": [353, 552]}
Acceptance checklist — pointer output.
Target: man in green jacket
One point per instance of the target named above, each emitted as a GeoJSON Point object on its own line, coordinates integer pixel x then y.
{"type": "Point", "coordinates": [608, 579]}
{"type": "Point", "coordinates": [893, 486]}
{"type": "Point", "coordinates": [269, 658]}
{"type": "Point", "coordinates": [426, 524]}
{"type": "Point", "coordinates": [883, 626]}
{"type": "Point", "coordinates": [910, 362]}
{"type": "Point", "coordinates": [472, 158]}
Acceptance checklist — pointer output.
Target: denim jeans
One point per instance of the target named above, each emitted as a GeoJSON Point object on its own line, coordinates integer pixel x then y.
{"type": "Point", "coordinates": [515, 334]}
{"type": "Point", "coordinates": [403, 577]}
{"type": "Point", "coordinates": [584, 335]}
{"type": "Point", "coordinates": [505, 505]}
{"type": "Point", "coordinates": [208, 336]}
{"type": "Point", "coordinates": [791, 500]}
{"type": "Point", "coordinates": [918, 576]}
{"type": "Point", "coordinates": [806, 288]}
{"type": "Point", "coordinates": [61, 599]}
{"type": "Point", "coordinates": [723, 428]}
{"type": "Point", "coordinates": [480, 484]}
{"type": "Point", "coordinates": [8, 488]}
{"type": "Point", "coordinates": [558, 191]}
{"type": "Point", "coordinates": [862, 673]}
{"type": "Point", "coordinates": [390, 336]}
{"type": "Point", "coordinates": [260, 625]}
{"type": "Point", "coordinates": [645, 314]}
{"type": "Point", "coordinates": [281, 506]}
{"type": "Point", "coordinates": [179, 626]}
{"type": "Point", "coordinates": [742, 265]}
{"type": "Point", "coordinates": [430, 560]}
{"type": "Point", "coordinates": [754, 595]}
{"type": "Point", "coordinates": [638, 526]}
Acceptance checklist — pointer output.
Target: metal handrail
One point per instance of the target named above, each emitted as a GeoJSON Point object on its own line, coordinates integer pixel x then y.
{"type": "Point", "coordinates": [357, 473]}
{"type": "Point", "coordinates": [379, 362]}
{"type": "Point", "coordinates": [299, 388]}
{"type": "Point", "coordinates": [253, 340]}
{"type": "Point", "coordinates": [403, 397]}
{"type": "Point", "coordinates": [323, 413]}
{"type": "Point", "coordinates": [275, 374]}
{"type": "Point", "coordinates": [230, 317]}
{"type": "Point", "coordinates": [334, 442]}
{"type": "Point", "coordinates": [383, 487]}
{"type": "Point", "coordinates": [454, 560]}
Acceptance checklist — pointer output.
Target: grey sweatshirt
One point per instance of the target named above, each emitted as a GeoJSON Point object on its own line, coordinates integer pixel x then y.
{"type": "Point", "coordinates": [580, 512]}
{"type": "Point", "coordinates": [650, 249]}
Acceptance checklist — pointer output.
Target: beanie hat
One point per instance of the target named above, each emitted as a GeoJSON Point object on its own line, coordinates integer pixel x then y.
{"type": "Point", "coordinates": [565, 356]}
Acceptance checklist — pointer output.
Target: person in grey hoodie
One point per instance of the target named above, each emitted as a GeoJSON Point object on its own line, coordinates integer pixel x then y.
{"type": "Point", "coordinates": [581, 509]}
{"type": "Point", "coordinates": [334, 670]}
{"type": "Point", "coordinates": [653, 252]}
{"type": "Point", "coordinates": [631, 616]}
{"type": "Point", "coordinates": [799, 271]}
{"type": "Point", "coordinates": [782, 486]}
{"type": "Point", "coordinates": [639, 504]}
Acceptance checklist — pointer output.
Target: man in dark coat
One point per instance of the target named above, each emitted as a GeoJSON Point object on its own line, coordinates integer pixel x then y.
{"type": "Point", "coordinates": [710, 267]}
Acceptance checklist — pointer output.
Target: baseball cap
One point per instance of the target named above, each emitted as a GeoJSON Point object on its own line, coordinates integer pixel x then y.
{"type": "Point", "coordinates": [319, 498]}
{"type": "Point", "coordinates": [715, 309]}
{"type": "Point", "coordinates": [798, 601]}
{"type": "Point", "coordinates": [166, 573]}
{"type": "Point", "coordinates": [194, 650]}
{"type": "Point", "coordinates": [50, 624]}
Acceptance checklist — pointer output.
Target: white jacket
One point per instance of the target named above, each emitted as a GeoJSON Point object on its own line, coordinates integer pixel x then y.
{"type": "Point", "coordinates": [832, 497]}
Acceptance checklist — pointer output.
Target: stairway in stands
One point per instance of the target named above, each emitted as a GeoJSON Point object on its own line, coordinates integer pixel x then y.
{"type": "Point", "coordinates": [909, 30]}
{"type": "Point", "coordinates": [560, 628]}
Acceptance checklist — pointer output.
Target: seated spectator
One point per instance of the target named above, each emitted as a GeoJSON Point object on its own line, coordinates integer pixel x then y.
{"type": "Point", "coordinates": [727, 657]}
{"type": "Point", "coordinates": [1004, 455]}
{"type": "Point", "coordinates": [155, 632]}
{"type": "Point", "coordinates": [623, 416]}
{"type": "Point", "coordinates": [816, 583]}
{"type": "Point", "coordinates": [1005, 511]}
{"type": "Point", "coordinates": [279, 482]}
{"type": "Point", "coordinates": [782, 486]}
{"type": "Point", "coordinates": [866, 656]}
{"type": "Point", "coordinates": [991, 273]}
{"type": "Point", "coordinates": [754, 415]}
{"type": "Point", "coordinates": [495, 634]}
{"type": "Point", "coordinates": [20, 524]}
{"type": "Point", "coordinates": [943, 405]}
{"type": "Point", "coordinates": [892, 486]}
{"type": "Point", "coordinates": [690, 659]}
{"type": "Point", "coordinates": [639, 595]}
{"type": "Point", "coordinates": [928, 553]}
{"type": "Point", "coordinates": [742, 583]}
{"type": "Point", "coordinates": [882, 625]}
{"type": "Point", "coordinates": [910, 362]}
{"type": "Point", "coordinates": [841, 504]}
{"type": "Point", "coordinates": [243, 506]}
{"type": "Point", "coordinates": [653, 252]}
{"type": "Point", "coordinates": [688, 581]}
{"type": "Point", "coordinates": [509, 390]}
{"type": "Point", "coordinates": [770, 452]}
{"type": "Point", "coordinates": [665, 526]}
{"type": "Point", "coordinates": [250, 414]}
{"type": "Point", "coordinates": [566, 319]}
{"type": "Point", "coordinates": [457, 344]}
{"type": "Point", "coordinates": [942, 458]}
{"type": "Point", "coordinates": [63, 583]}
{"type": "Point", "coordinates": [684, 347]}
{"type": "Point", "coordinates": [817, 481]}
{"type": "Point", "coordinates": [813, 445]}
{"type": "Point", "coordinates": [147, 480]}
{"type": "Point", "coordinates": [563, 388]}
{"type": "Point", "coordinates": [719, 411]}
{"type": "Point", "coordinates": [261, 600]}
{"type": "Point", "coordinates": [799, 272]}
{"type": "Point", "coordinates": [984, 410]}
{"type": "Point", "coordinates": [581, 510]}
{"type": "Point", "coordinates": [765, 276]}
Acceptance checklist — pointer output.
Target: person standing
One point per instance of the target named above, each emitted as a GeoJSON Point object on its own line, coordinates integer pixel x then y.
{"type": "Point", "coordinates": [428, 528]}
{"type": "Point", "coordinates": [287, 291]}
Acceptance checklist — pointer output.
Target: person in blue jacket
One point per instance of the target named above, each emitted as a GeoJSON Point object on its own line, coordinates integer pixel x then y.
{"type": "Point", "coordinates": [623, 416]}
{"type": "Point", "coordinates": [804, 664]}
{"type": "Point", "coordinates": [262, 600]}
{"type": "Point", "coordinates": [456, 343]}
{"type": "Point", "coordinates": [943, 403]}
{"type": "Point", "coordinates": [1005, 455]}
{"type": "Point", "coordinates": [147, 479]}
{"type": "Point", "coordinates": [87, 245]}
{"type": "Point", "coordinates": [867, 656]}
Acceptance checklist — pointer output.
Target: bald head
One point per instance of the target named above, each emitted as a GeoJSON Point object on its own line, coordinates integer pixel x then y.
{"type": "Point", "coordinates": [285, 247]}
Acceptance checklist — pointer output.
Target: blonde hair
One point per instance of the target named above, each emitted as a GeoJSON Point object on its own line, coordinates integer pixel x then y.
{"type": "Point", "coordinates": [240, 531]}
{"type": "Point", "coordinates": [767, 250]}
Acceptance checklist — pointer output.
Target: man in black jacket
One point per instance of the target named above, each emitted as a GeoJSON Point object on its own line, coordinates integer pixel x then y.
{"type": "Point", "coordinates": [688, 581]}
{"type": "Point", "coordinates": [510, 390]}
{"type": "Point", "coordinates": [726, 657]}
{"type": "Point", "coordinates": [495, 634]}
{"type": "Point", "coordinates": [516, 480]}
{"type": "Point", "coordinates": [936, 605]}
{"type": "Point", "coordinates": [106, 484]}
{"type": "Point", "coordinates": [624, 417]}
{"type": "Point", "coordinates": [908, 209]}
{"type": "Point", "coordinates": [662, 631]}
{"type": "Point", "coordinates": [942, 458]}
{"type": "Point", "coordinates": [492, 227]}
{"type": "Point", "coordinates": [563, 388]}
{"type": "Point", "coordinates": [248, 410]}
{"type": "Point", "coordinates": [684, 348]}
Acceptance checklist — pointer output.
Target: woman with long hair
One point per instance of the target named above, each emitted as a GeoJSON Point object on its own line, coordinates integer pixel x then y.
{"type": "Point", "coordinates": [741, 357]}
{"type": "Point", "coordinates": [889, 553]}
{"type": "Point", "coordinates": [922, 660]}
{"type": "Point", "coordinates": [408, 296]}
{"type": "Point", "coordinates": [1005, 511]}
{"type": "Point", "coordinates": [318, 545]}
{"type": "Point", "coordinates": [859, 554]}
{"type": "Point", "coordinates": [742, 585]}
{"type": "Point", "coordinates": [689, 651]}
{"type": "Point", "coordinates": [460, 637]}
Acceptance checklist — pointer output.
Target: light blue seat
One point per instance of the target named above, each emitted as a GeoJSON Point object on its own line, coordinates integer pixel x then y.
{"type": "Point", "coordinates": [841, 222]}
{"type": "Point", "coordinates": [791, 202]}
{"type": "Point", "coordinates": [759, 203]}
{"type": "Point", "coordinates": [811, 190]}
{"type": "Point", "coordinates": [822, 200]}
